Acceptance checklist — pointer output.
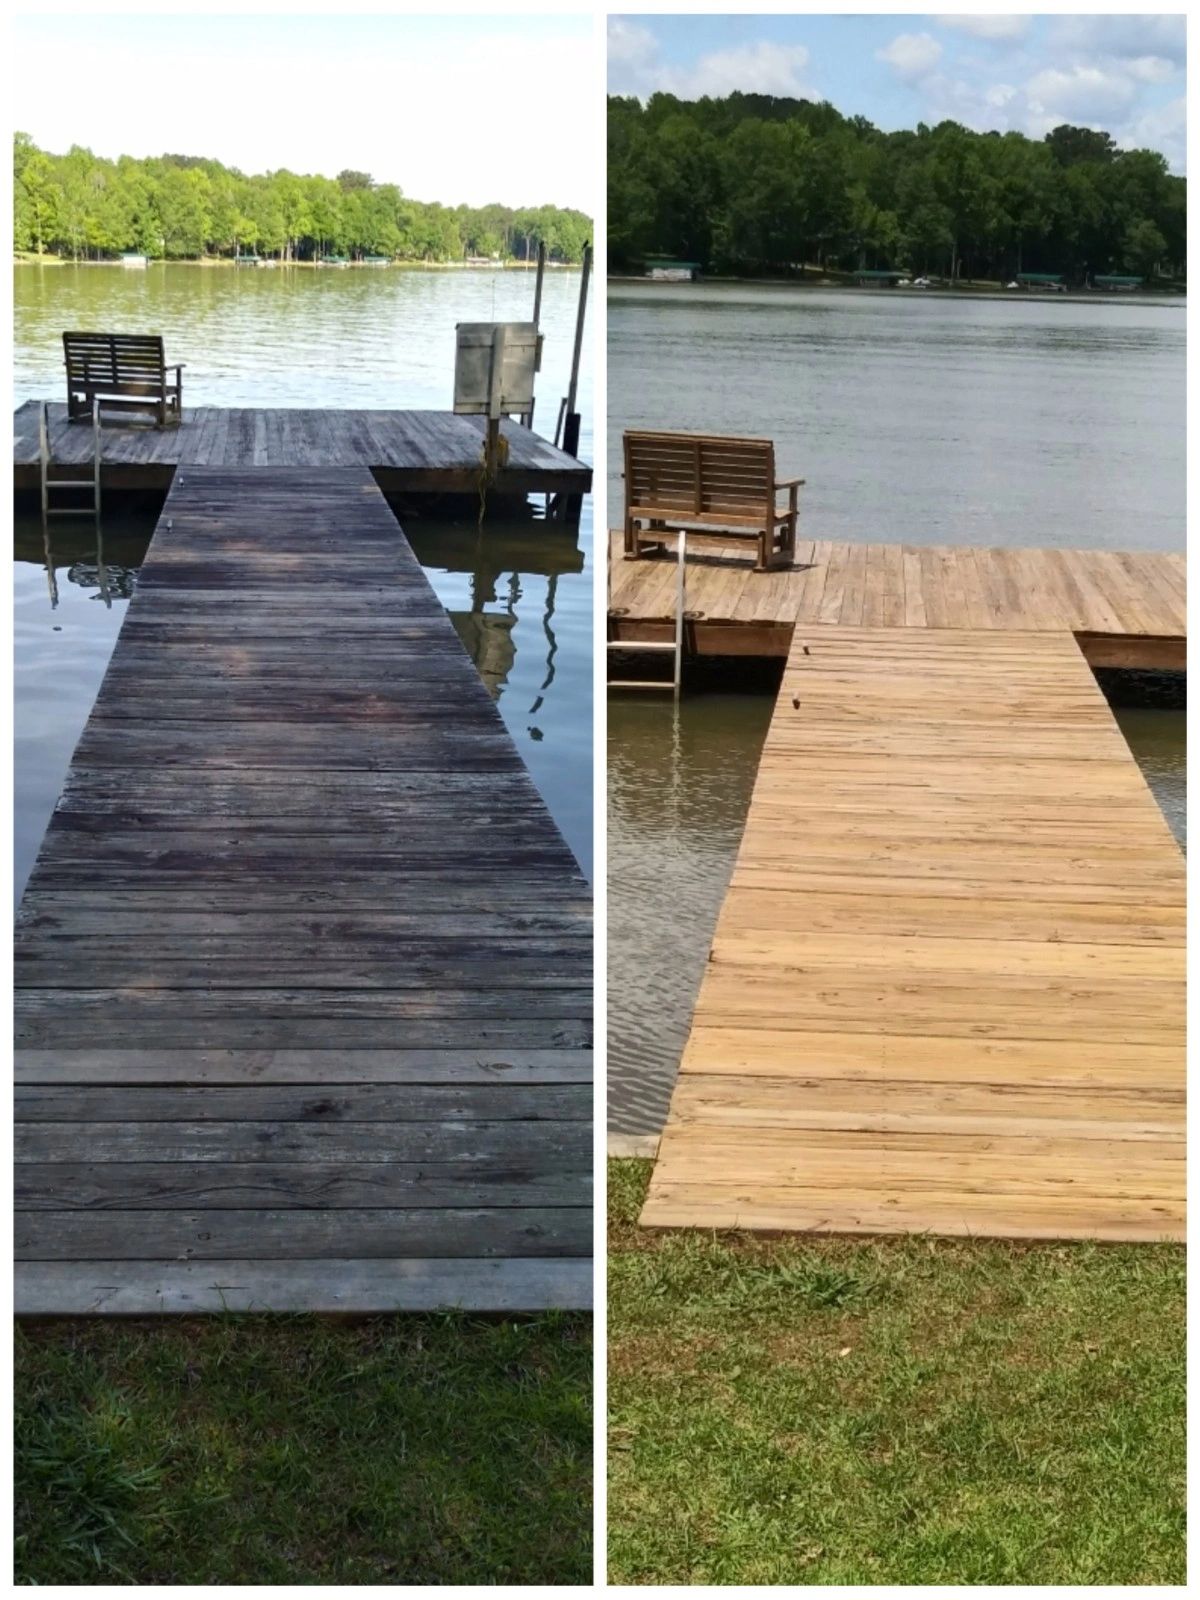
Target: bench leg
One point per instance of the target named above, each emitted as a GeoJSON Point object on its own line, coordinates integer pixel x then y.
{"type": "Point", "coordinates": [787, 543]}
{"type": "Point", "coordinates": [631, 540]}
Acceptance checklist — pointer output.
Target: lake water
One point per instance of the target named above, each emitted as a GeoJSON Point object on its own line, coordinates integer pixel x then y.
{"type": "Point", "coordinates": [520, 595]}
{"type": "Point", "coordinates": [931, 421]}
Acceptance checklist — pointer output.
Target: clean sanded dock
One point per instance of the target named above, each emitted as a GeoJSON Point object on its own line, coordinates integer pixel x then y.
{"type": "Point", "coordinates": [421, 452]}
{"type": "Point", "coordinates": [1124, 609]}
{"type": "Point", "coordinates": [304, 966]}
{"type": "Point", "coordinates": [946, 989]}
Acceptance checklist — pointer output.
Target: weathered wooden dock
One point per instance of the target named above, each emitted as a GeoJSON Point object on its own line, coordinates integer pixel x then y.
{"type": "Point", "coordinates": [303, 970]}
{"type": "Point", "coordinates": [418, 452]}
{"type": "Point", "coordinates": [946, 989]}
{"type": "Point", "coordinates": [1125, 610]}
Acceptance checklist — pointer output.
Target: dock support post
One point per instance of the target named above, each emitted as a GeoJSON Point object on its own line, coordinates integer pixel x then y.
{"type": "Point", "coordinates": [527, 419]}
{"type": "Point", "coordinates": [491, 447]}
{"type": "Point", "coordinates": [567, 508]}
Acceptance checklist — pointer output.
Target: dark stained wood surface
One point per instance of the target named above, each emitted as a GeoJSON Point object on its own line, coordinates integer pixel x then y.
{"type": "Point", "coordinates": [422, 451]}
{"type": "Point", "coordinates": [304, 966]}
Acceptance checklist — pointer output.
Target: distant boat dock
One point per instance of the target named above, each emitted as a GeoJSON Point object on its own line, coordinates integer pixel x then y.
{"type": "Point", "coordinates": [946, 989]}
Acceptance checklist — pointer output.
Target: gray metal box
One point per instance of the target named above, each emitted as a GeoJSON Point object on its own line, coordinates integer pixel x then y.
{"type": "Point", "coordinates": [494, 368]}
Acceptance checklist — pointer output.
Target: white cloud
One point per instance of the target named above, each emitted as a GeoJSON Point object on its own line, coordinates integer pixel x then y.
{"type": "Point", "coordinates": [1150, 69]}
{"type": "Point", "coordinates": [635, 67]}
{"type": "Point", "coordinates": [762, 68]}
{"type": "Point", "coordinates": [985, 25]}
{"type": "Point", "coordinates": [629, 42]}
{"type": "Point", "coordinates": [1086, 94]}
{"type": "Point", "coordinates": [1163, 128]}
{"type": "Point", "coordinates": [911, 55]}
{"type": "Point", "coordinates": [1125, 36]}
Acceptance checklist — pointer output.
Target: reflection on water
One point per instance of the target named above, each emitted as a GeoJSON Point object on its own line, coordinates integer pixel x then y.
{"type": "Point", "coordinates": [69, 601]}
{"type": "Point", "coordinates": [1158, 740]}
{"type": "Point", "coordinates": [678, 794]}
{"type": "Point", "coordinates": [514, 594]}
{"type": "Point", "coordinates": [521, 599]}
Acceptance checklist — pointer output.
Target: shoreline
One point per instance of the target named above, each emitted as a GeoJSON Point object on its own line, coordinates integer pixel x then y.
{"type": "Point", "coordinates": [271, 262]}
{"type": "Point", "coordinates": [983, 292]}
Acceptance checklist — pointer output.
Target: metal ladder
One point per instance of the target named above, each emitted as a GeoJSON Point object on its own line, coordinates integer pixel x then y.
{"type": "Point", "coordinates": [633, 647]}
{"type": "Point", "coordinates": [50, 484]}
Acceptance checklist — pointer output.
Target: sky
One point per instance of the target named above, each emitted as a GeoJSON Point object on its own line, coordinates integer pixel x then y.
{"type": "Point", "coordinates": [1124, 74]}
{"type": "Point", "coordinates": [464, 110]}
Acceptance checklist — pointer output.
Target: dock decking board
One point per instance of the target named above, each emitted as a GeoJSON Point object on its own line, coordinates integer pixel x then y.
{"type": "Point", "coordinates": [304, 966]}
{"type": "Point", "coordinates": [946, 989]}
{"type": "Point", "coordinates": [1127, 609]}
{"type": "Point", "coordinates": [419, 451]}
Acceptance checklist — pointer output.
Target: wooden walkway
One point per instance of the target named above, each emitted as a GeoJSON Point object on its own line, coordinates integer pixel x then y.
{"type": "Point", "coordinates": [304, 966]}
{"type": "Point", "coordinates": [946, 988]}
{"type": "Point", "coordinates": [417, 451]}
{"type": "Point", "coordinates": [1125, 609]}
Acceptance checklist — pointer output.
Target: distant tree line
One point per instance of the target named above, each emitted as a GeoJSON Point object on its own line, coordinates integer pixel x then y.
{"type": "Point", "coordinates": [756, 185]}
{"type": "Point", "coordinates": [83, 206]}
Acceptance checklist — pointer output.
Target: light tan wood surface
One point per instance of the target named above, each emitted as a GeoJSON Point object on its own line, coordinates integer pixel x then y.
{"type": "Point", "coordinates": [1107, 594]}
{"type": "Point", "coordinates": [946, 989]}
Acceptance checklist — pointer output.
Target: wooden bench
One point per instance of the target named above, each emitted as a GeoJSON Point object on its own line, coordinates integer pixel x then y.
{"type": "Point", "coordinates": [711, 487]}
{"type": "Point", "coordinates": [124, 372]}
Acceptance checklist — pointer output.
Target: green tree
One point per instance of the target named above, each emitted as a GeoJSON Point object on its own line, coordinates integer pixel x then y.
{"type": "Point", "coordinates": [1144, 247]}
{"type": "Point", "coordinates": [756, 183]}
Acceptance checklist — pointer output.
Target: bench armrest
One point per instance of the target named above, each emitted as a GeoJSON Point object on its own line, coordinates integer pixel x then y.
{"type": "Point", "coordinates": [789, 483]}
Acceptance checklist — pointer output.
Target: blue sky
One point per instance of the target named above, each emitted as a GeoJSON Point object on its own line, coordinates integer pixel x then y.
{"type": "Point", "coordinates": [1121, 73]}
{"type": "Point", "coordinates": [433, 103]}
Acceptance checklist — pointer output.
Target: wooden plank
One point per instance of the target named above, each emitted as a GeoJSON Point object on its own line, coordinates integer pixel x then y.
{"type": "Point", "coordinates": [312, 1067]}
{"type": "Point", "coordinates": [129, 1288]}
{"type": "Point", "coordinates": [539, 1178]}
{"type": "Point", "coordinates": [264, 1235]}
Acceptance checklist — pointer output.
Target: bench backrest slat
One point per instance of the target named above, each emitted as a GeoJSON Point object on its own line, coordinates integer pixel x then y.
{"type": "Point", "coordinates": [104, 359]}
{"type": "Point", "coordinates": [700, 475]}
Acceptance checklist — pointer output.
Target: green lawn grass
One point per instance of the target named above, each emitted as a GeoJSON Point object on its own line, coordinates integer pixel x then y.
{"type": "Point", "coordinates": [906, 1411]}
{"type": "Point", "coordinates": [288, 1450]}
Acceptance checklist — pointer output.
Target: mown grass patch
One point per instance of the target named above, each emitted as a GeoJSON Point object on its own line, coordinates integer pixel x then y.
{"type": "Point", "coordinates": [908, 1411]}
{"type": "Point", "coordinates": [422, 1450]}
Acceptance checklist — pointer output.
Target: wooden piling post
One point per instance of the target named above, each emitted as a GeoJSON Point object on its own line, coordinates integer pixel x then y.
{"type": "Point", "coordinates": [568, 507]}
{"type": "Point", "coordinates": [527, 419]}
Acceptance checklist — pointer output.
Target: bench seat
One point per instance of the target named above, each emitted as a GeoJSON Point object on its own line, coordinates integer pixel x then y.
{"type": "Point", "coordinates": [710, 487]}
{"type": "Point", "coordinates": [123, 372]}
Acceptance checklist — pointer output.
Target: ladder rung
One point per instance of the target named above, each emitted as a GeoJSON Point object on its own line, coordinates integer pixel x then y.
{"type": "Point", "coordinates": [632, 645]}
{"type": "Point", "coordinates": [70, 483]}
{"type": "Point", "coordinates": [642, 683]}
{"type": "Point", "coordinates": [70, 511]}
